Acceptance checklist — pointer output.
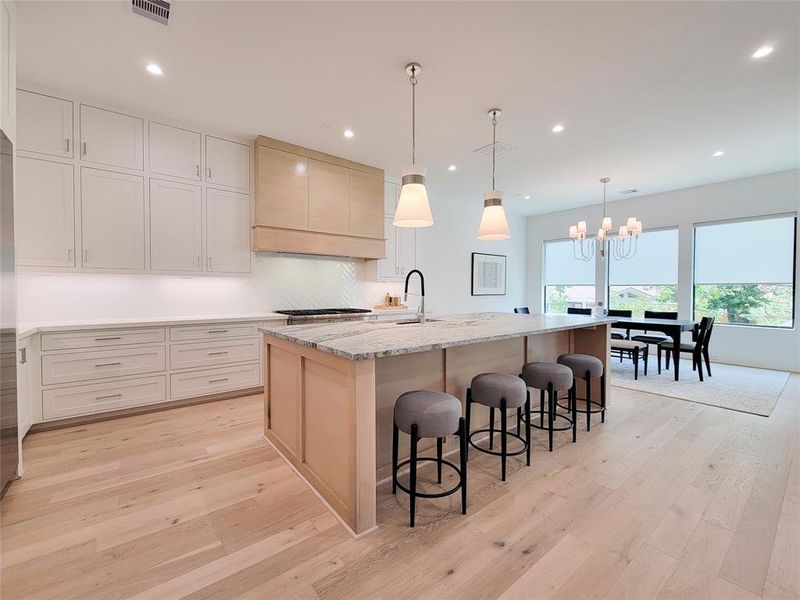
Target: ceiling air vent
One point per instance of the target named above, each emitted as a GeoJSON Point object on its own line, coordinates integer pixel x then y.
{"type": "Point", "coordinates": [501, 148]}
{"type": "Point", "coordinates": [630, 191]}
{"type": "Point", "coordinates": [155, 10]}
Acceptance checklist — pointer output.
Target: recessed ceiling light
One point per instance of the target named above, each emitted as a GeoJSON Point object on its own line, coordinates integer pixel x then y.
{"type": "Point", "coordinates": [451, 168]}
{"type": "Point", "coordinates": [558, 128]}
{"type": "Point", "coordinates": [154, 69]}
{"type": "Point", "coordinates": [348, 133]}
{"type": "Point", "coordinates": [718, 153]}
{"type": "Point", "coordinates": [527, 197]}
{"type": "Point", "coordinates": [763, 51]}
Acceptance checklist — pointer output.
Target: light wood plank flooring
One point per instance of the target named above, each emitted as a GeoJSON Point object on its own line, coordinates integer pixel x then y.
{"type": "Point", "coordinates": [667, 499]}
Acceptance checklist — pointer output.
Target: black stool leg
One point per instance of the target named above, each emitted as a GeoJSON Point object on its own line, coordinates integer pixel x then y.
{"type": "Point", "coordinates": [636, 363]}
{"type": "Point", "coordinates": [658, 353]}
{"type": "Point", "coordinates": [491, 428]}
{"type": "Point", "coordinates": [503, 437]}
{"type": "Point", "coordinates": [551, 408]}
{"type": "Point", "coordinates": [588, 401]}
{"type": "Point", "coordinates": [646, 358]}
{"type": "Point", "coordinates": [519, 417]}
{"type": "Point", "coordinates": [469, 412]}
{"type": "Point", "coordinates": [439, 459]}
{"type": "Point", "coordinates": [603, 397]}
{"type": "Point", "coordinates": [541, 408]}
{"type": "Point", "coordinates": [413, 488]}
{"type": "Point", "coordinates": [394, 457]}
{"type": "Point", "coordinates": [528, 428]}
{"type": "Point", "coordinates": [463, 432]}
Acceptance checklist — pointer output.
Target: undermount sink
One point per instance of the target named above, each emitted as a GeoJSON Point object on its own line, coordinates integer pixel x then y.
{"type": "Point", "coordinates": [415, 321]}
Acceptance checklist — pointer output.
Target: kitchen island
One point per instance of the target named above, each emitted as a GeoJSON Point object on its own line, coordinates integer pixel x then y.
{"type": "Point", "coordinates": [330, 388]}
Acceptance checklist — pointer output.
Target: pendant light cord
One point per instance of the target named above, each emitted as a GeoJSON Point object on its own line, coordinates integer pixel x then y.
{"type": "Point", "coordinates": [413, 80]}
{"type": "Point", "coordinates": [494, 144]}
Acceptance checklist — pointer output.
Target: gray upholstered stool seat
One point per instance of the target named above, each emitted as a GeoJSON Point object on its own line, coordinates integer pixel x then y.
{"type": "Point", "coordinates": [581, 363]}
{"type": "Point", "coordinates": [489, 388]}
{"type": "Point", "coordinates": [541, 374]}
{"type": "Point", "coordinates": [435, 414]}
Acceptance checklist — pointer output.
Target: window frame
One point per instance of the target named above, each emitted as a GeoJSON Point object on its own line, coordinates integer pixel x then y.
{"type": "Point", "coordinates": [543, 276]}
{"type": "Point", "coordinates": [793, 216]}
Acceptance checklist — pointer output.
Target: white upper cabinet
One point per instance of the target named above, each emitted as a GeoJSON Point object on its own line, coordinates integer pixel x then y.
{"type": "Point", "coordinates": [176, 226]}
{"type": "Point", "coordinates": [227, 163]}
{"type": "Point", "coordinates": [8, 68]}
{"type": "Point", "coordinates": [227, 232]}
{"type": "Point", "coordinates": [112, 220]}
{"type": "Point", "coordinates": [111, 138]}
{"type": "Point", "coordinates": [175, 152]}
{"type": "Point", "coordinates": [401, 242]}
{"type": "Point", "coordinates": [387, 267]}
{"type": "Point", "coordinates": [44, 124]}
{"type": "Point", "coordinates": [406, 249]}
{"type": "Point", "coordinates": [45, 213]}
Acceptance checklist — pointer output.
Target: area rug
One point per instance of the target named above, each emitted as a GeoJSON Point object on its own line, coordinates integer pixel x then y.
{"type": "Point", "coordinates": [744, 389]}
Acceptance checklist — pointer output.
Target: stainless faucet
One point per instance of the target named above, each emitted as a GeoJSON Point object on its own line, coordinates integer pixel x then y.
{"type": "Point", "coordinates": [421, 309]}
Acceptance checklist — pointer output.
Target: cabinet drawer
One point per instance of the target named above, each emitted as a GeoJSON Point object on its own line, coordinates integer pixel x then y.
{"type": "Point", "coordinates": [83, 366]}
{"type": "Point", "coordinates": [213, 331]}
{"type": "Point", "coordinates": [101, 397]}
{"type": "Point", "coordinates": [214, 381]}
{"type": "Point", "coordinates": [101, 337]}
{"type": "Point", "coordinates": [186, 356]}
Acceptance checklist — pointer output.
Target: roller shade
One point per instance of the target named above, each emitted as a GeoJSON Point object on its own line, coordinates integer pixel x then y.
{"type": "Point", "coordinates": [655, 262]}
{"type": "Point", "coordinates": [753, 251]}
{"type": "Point", "coordinates": [562, 268]}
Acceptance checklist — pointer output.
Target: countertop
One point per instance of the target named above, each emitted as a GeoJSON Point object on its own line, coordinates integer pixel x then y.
{"type": "Point", "coordinates": [361, 340]}
{"type": "Point", "coordinates": [27, 329]}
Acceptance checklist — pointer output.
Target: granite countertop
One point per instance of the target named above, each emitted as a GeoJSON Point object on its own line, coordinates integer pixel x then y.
{"type": "Point", "coordinates": [361, 340]}
{"type": "Point", "coordinates": [27, 329]}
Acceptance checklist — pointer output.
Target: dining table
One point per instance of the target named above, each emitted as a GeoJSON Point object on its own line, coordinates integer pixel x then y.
{"type": "Point", "coordinates": [671, 327]}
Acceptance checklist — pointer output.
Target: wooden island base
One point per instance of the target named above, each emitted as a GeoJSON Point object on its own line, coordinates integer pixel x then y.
{"type": "Point", "coordinates": [331, 417]}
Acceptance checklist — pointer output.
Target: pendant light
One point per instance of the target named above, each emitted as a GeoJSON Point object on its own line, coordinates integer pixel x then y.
{"type": "Point", "coordinates": [413, 208]}
{"type": "Point", "coordinates": [494, 225]}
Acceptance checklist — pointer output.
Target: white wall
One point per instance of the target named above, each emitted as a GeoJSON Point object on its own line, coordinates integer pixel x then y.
{"type": "Point", "coordinates": [753, 196]}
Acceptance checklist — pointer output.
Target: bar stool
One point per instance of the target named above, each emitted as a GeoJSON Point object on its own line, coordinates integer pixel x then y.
{"type": "Point", "coordinates": [499, 390]}
{"type": "Point", "coordinates": [585, 366]}
{"type": "Point", "coordinates": [553, 378]}
{"type": "Point", "coordinates": [426, 414]}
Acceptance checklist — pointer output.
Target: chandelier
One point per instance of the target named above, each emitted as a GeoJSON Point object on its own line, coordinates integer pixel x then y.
{"type": "Point", "coordinates": [621, 246]}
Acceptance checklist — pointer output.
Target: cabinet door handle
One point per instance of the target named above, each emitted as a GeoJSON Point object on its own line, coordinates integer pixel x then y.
{"type": "Point", "coordinates": [198, 262]}
{"type": "Point", "coordinates": [217, 331]}
{"type": "Point", "coordinates": [85, 256]}
{"type": "Point", "coordinates": [23, 356]}
{"type": "Point", "coordinates": [114, 364]}
{"type": "Point", "coordinates": [209, 172]}
{"type": "Point", "coordinates": [198, 170]}
{"type": "Point", "coordinates": [108, 339]}
{"type": "Point", "coordinates": [218, 380]}
{"type": "Point", "coordinates": [83, 149]}
{"type": "Point", "coordinates": [109, 396]}
{"type": "Point", "coordinates": [208, 262]}
{"type": "Point", "coordinates": [67, 144]}
{"type": "Point", "coordinates": [217, 353]}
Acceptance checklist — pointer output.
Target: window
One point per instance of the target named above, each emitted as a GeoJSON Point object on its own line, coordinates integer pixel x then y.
{"type": "Point", "coordinates": [568, 282]}
{"type": "Point", "coordinates": [744, 271]}
{"type": "Point", "coordinates": [649, 280]}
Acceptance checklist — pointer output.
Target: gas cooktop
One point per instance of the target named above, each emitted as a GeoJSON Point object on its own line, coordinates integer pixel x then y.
{"type": "Point", "coordinates": [313, 312]}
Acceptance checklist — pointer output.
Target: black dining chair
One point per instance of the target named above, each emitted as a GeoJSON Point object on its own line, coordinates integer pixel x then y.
{"type": "Point", "coordinates": [523, 310]}
{"type": "Point", "coordinates": [571, 310]}
{"type": "Point", "coordinates": [625, 314]}
{"type": "Point", "coordinates": [655, 337]}
{"type": "Point", "coordinates": [698, 348]}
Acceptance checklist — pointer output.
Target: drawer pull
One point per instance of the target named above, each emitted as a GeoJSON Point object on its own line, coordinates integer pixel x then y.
{"type": "Point", "coordinates": [217, 331]}
{"type": "Point", "coordinates": [217, 353]}
{"type": "Point", "coordinates": [106, 339]}
{"type": "Point", "coordinates": [114, 364]}
{"type": "Point", "coordinates": [109, 396]}
{"type": "Point", "coordinates": [218, 380]}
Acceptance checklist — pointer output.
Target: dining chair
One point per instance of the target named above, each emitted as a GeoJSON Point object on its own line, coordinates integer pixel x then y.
{"type": "Point", "coordinates": [698, 348]}
{"type": "Point", "coordinates": [523, 310]}
{"type": "Point", "coordinates": [625, 314]}
{"type": "Point", "coordinates": [571, 310]}
{"type": "Point", "coordinates": [656, 338]}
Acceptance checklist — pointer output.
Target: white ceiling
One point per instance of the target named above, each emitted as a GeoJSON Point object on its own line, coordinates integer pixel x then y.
{"type": "Point", "coordinates": [646, 90]}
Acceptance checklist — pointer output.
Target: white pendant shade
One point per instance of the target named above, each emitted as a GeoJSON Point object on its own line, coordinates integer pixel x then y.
{"type": "Point", "coordinates": [494, 225]}
{"type": "Point", "coordinates": [413, 208]}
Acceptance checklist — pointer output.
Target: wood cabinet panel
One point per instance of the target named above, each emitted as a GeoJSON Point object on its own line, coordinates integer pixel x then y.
{"type": "Point", "coordinates": [45, 213]}
{"type": "Point", "coordinates": [281, 189]}
{"type": "Point", "coordinates": [282, 388]}
{"type": "Point", "coordinates": [366, 205]}
{"type": "Point", "coordinates": [328, 197]}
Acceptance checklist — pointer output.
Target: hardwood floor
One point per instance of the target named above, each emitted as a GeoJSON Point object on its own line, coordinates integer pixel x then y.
{"type": "Point", "coordinates": [667, 499]}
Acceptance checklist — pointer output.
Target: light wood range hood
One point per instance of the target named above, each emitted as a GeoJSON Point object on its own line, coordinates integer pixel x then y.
{"type": "Point", "coordinates": [308, 202]}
